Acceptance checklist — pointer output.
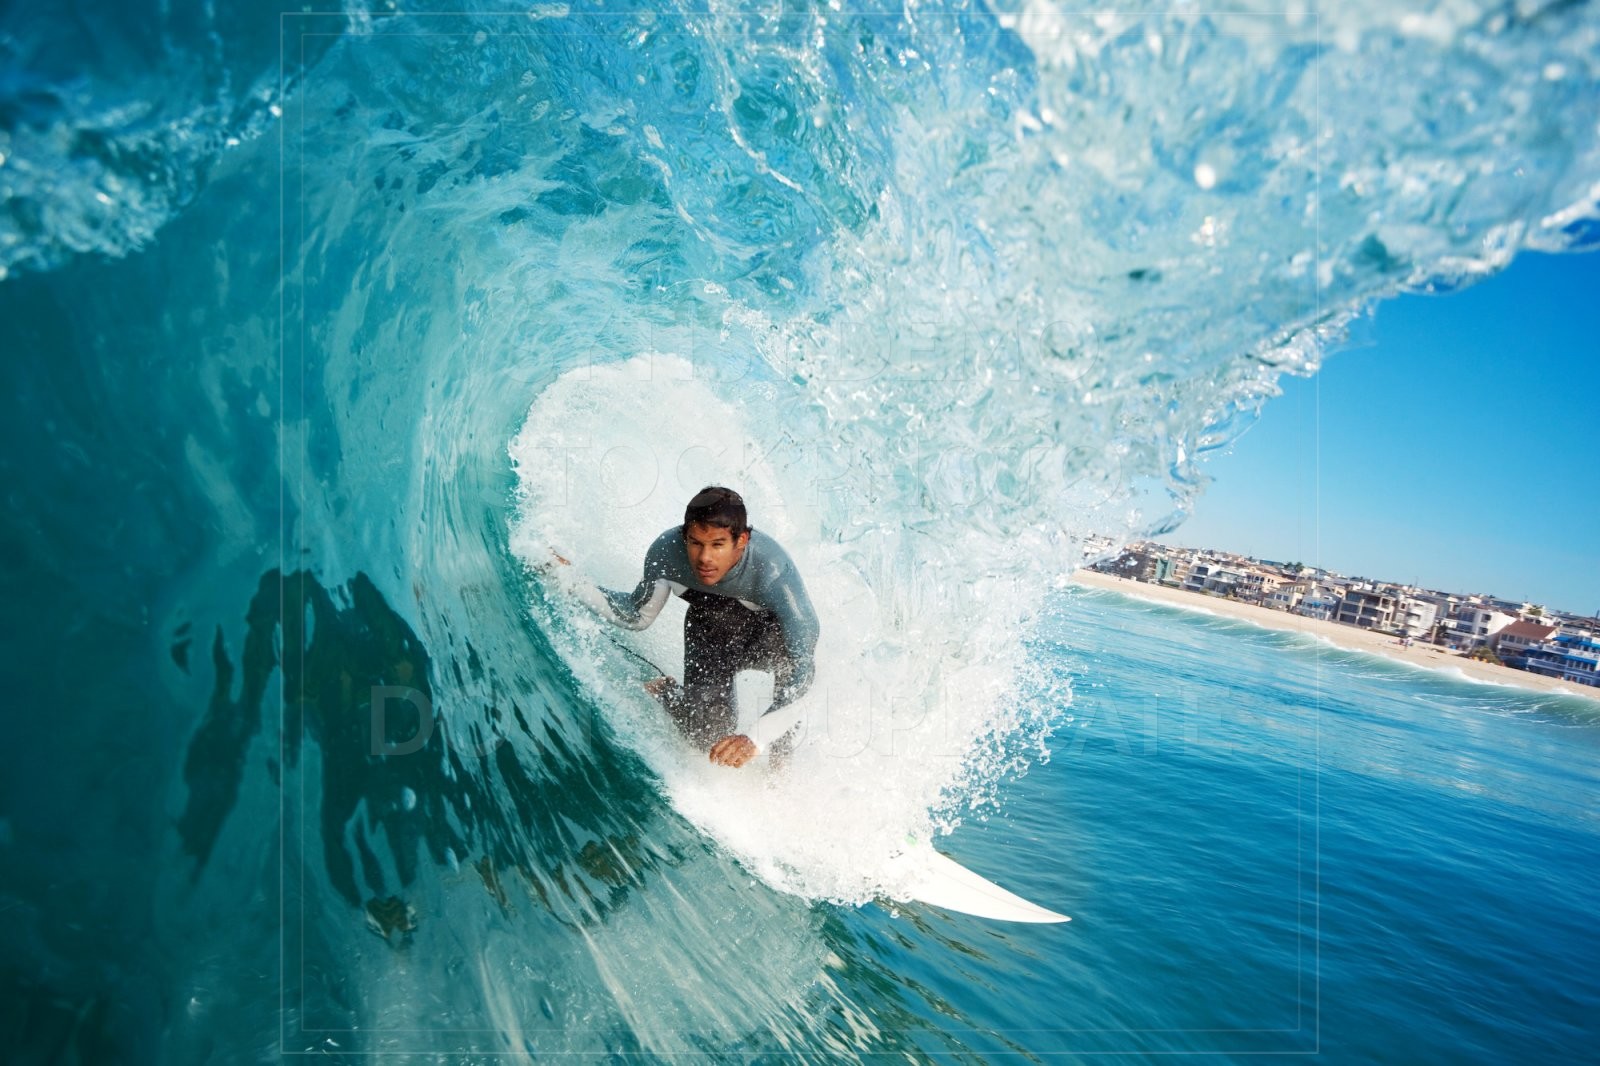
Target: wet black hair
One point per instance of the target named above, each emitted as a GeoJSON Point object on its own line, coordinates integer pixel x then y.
{"type": "Point", "coordinates": [717, 506]}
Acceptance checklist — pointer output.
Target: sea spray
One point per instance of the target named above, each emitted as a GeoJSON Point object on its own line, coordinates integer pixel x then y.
{"type": "Point", "coordinates": [910, 677]}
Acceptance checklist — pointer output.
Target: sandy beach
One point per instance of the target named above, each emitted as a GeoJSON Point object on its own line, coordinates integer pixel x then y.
{"type": "Point", "coordinates": [1424, 655]}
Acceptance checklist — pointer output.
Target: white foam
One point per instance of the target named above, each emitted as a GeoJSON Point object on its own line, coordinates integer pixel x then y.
{"type": "Point", "coordinates": [910, 692]}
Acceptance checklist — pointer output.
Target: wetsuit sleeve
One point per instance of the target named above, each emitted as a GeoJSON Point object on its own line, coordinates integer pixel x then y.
{"type": "Point", "coordinates": [637, 609]}
{"type": "Point", "coordinates": [787, 599]}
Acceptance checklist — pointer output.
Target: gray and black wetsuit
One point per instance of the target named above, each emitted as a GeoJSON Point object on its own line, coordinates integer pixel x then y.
{"type": "Point", "coordinates": [757, 617]}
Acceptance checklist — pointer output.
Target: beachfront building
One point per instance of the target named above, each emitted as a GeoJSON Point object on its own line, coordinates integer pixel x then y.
{"type": "Point", "coordinates": [1474, 623]}
{"type": "Point", "coordinates": [1097, 548]}
{"type": "Point", "coordinates": [1255, 584]}
{"type": "Point", "coordinates": [1515, 608]}
{"type": "Point", "coordinates": [1415, 616]}
{"type": "Point", "coordinates": [1572, 623]}
{"type": "Point", "coordinates": [1137, 563]}
{"type": "Point", "coordinates": [1177, 570]}
{"type": "Point", "coordinates": [1570, 658]}
{"type": "Point", "coordinates": [1368, 608]}
{"type": "Point", "coordinates": [1439, 623]}
{"type": "Point", "coordinates": [1320, 602]}
{"type": "Point", "coordinates": [1199, 573]}
{"type": "Point", "coordinates": [1286, 597]}
{"type": "Point", "coordinates": [1585, 628]}
{"type": "Point", "coordinates": [1514, 641]}
{"type": "Point", "coordinates": [1144, 561]}
{"type": "Point", "coordinates": [1217, 578]}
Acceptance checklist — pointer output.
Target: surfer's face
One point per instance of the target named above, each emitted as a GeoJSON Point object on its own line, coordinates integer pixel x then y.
{"type": "Point", "coordinates": [713, 551]}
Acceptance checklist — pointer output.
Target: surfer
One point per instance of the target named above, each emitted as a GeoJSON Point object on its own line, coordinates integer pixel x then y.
{"type": "Point", "coordinates": [748, 610]}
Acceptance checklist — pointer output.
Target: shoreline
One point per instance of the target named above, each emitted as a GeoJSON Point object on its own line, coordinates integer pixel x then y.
{"type": "Point", "coordinates": [1350, 638]}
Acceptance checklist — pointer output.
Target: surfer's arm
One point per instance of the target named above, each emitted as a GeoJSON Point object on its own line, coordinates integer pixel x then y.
{"type": "Point", "coordinates": [795, 685]}
{"type": "Point", "coordinates": [630, 610]}
{"type": "Point", "coordinates": [788, 600]}
{"type": "Point", "coordinates": [637, 609]}
{"type": "Point", "coordinates": [785, 596]}
{"type": "Point", "coordinates": [562, 576]}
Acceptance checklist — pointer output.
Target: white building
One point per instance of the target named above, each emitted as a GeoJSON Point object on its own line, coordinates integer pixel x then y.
{"type": "Point", "coordinates": [1213, 577]}
{"type": "Point", "coordinates": [1414, 617]}
{"type": "Point", "coordinates": [1320, 602]}
{"type": "Point", "coordinates": [1255, 584]}
{"type": "Point", "coordinates": [1473, 625]}
{"type": "Point", "coordinates": [1286, 597]}
{"type": "Point", "coordinates": [1177, 573]}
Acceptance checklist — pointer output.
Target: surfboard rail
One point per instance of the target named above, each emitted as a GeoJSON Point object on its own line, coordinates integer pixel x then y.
{"type": "Point", "coordinates": [929, 876]}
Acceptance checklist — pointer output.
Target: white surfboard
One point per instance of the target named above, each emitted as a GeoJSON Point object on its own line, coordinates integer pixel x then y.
{"type": "Point", "coordinates": [927, 875]}
{"type": "Point", "coordinates": [922, 874]}
{"type": "Point", "coordinates": [931, 877]}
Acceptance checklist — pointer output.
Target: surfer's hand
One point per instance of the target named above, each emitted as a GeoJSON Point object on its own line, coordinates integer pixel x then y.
{"type": "Point", "coordinates": [735, 750]}
{"type": "Point", "coordinates": [548, 568]}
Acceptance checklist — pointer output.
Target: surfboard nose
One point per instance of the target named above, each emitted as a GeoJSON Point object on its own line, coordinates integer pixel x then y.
{"type": "Point", "coordinates": [934, 878]}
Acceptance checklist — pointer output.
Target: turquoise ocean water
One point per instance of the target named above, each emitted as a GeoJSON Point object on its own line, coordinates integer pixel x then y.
{"type": "Point", "coordinates": [319, 330]}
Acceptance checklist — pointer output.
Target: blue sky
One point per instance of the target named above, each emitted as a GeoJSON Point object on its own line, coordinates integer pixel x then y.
{"type": "Point", "coordinates": [1452, 442]}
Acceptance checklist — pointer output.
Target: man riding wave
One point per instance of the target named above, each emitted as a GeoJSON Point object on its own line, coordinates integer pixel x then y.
{"type": "Point", "coordinates": [748, 610]}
